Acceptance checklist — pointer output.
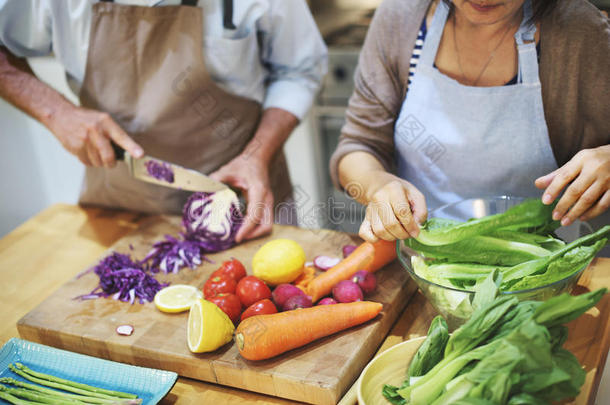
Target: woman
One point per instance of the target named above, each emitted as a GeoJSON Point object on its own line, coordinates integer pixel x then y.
{"type": "Point", "coordinates": [472, 98]}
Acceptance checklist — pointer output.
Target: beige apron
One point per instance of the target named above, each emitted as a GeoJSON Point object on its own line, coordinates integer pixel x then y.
{"type": "Point", "coordinates": [145, 67]}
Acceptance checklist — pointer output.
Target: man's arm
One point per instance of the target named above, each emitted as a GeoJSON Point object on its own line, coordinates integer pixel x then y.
{"type": "Point", "coordinates": [250, 171]}
{"type": "Point", "coordinates": [83, 132]}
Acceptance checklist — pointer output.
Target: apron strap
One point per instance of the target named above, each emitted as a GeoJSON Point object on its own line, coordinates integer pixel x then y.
{"type": "Point", "coordinates": [434, 34]}
{"type": "Point", "coordinates": [526, 47]}
{"type": "Point", "coordinates": [227, 18]}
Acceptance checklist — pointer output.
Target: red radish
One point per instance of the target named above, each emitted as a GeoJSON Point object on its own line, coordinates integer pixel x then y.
{"type": "Point", "coordinates": [347, 291]}
{"type": "Point", "coordinates": [365, 280]}
{"type": "Point", "coordinates": [125, 330]}
{"type": "Point", "coordinates": [348, 249]}
{"type": "Point", "coordinates": [283, 292]}
{"type": "Point", "coordinates": [296, 302]}
{"type": "Point", "coordinates": [325, 262]}
{"type": "Point", "coordinates": [327, 301]}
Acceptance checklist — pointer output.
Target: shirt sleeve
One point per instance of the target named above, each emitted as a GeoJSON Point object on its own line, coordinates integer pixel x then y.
{"type": "Point", "coordinates": [25, 27]}
{"type": "Point", "coordinates": [294, 54]}
{"type": "Point", "coordinates": [379, 87]}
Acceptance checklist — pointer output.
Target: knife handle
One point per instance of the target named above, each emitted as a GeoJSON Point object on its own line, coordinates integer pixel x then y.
{"type": "Point", "coordinates": [119, 153]}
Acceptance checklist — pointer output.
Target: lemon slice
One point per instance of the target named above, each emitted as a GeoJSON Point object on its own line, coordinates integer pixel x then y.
{"type": "Point", "coordinates": [177, 298]}
{"type": "Point", "coordinates": [208, 327]}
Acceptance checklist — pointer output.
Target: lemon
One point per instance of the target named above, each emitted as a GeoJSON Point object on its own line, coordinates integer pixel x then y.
{"type": "Point", "coordinates": [278, 261]}
{"type": "Point", "coordinates": [177, 298]}
{"type": "Point", "coordinates": [208, 327]}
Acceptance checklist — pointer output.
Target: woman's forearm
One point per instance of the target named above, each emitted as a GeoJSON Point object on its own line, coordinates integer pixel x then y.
{"type": "Point", "coordinates": [361, 174]}
{"type": "Point", "coordinates": [20, 87]}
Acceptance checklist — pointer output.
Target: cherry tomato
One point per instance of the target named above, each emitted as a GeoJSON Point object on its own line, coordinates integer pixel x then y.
{"type": "Point", "coordinates": [229, 304]}
{"type": "Point", "coordinates": [261, 307]}
{"type": "Point", "coordinates": [251, 289]}
{"type": "Point", "coordinates": [232, 268]}
{"type": "Point", "coordinates": [218, 284]}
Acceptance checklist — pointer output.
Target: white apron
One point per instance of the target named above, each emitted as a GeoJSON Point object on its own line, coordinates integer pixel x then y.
{"type": "Point", "coordinates": [456, 142]}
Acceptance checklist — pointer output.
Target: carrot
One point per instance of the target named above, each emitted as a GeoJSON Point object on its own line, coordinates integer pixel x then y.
{"type": "Point", "coordinates": [308, 274]}
{"type": "Point", "coordinates": [264, 336]}
{"type": "Point", "coordinates": [368, 256]}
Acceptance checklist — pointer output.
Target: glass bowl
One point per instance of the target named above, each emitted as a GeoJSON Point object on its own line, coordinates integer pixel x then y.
{"type": "Point", "coordinates": [455, 304]}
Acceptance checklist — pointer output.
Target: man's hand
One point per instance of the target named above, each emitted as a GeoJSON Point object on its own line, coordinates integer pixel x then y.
{"type": "Point", "coordinates": [587, 178]}
{"type": "Point", "coordinates": [251, 176]}
{"type": "Point", "coordinates": [87, 134]}
{"type": "Point", "coordinates": [83, 132]}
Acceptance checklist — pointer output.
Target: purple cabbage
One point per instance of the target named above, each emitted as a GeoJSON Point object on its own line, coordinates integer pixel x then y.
{"type": "Point", "coordinates": [212, 219]}
{"type": "Point", "coordinates": [171, 254]}
{"type": "Point", "coordinates": [123, 279]}
{"type": "Point", "coordinates": [160, 170]}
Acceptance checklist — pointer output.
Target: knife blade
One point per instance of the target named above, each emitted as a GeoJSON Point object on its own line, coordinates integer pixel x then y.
{"type": "Point", "coordinates": [177, 177]}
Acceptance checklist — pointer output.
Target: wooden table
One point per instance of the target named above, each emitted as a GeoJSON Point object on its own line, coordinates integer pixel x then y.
{"type": "Point", "coordinates": [50, 248]}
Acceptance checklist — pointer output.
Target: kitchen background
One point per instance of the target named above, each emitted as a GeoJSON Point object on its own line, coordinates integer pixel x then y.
{"type": "Point", "coordinates": [35, 171]}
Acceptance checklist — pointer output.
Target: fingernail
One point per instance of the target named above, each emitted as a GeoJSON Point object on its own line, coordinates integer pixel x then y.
{"type": "Point", "coordinates": [566, 221]}
{"type": "Point", "coordinates": [556, 215]}
{"type": "Point", "coordinates": [139, 153]}
{"type": "Point", "coordinates": [546, 199]}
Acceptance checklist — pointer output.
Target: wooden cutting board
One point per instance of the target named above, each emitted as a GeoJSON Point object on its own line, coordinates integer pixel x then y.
{"type": "Point", "coordinates": [317, 373]}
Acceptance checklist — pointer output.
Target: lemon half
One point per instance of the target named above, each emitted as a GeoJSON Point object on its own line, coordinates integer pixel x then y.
{"type": "Point", "coordinates": [177, 298]}
{"type": "Point", "coordinates": [208, 327]}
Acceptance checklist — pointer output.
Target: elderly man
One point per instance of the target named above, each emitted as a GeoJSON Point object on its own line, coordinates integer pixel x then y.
{"type": "Point", "coordinates": [213, 85]}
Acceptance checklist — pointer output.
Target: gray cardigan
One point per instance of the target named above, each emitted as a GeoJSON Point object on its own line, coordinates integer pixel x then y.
{"type": "Point", "coordinates": [574, 74]}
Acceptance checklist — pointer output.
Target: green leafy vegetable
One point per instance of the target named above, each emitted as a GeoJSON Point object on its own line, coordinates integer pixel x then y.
{"type": "Point", "coordinates": [507, 353]}
{"type": "Point", "coordinates": [431, 351]}
{"type": "Point", "coordinates": [530, 213]}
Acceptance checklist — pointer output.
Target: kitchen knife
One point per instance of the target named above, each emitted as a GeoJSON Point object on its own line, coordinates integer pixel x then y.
{"type": "Point", "coordinates": [172, 175]}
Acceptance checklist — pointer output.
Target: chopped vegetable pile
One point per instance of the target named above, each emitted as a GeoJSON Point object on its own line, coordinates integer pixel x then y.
{"type": "Point", "coordinates": [124, 280]}
{"type": "Point", "coordinates": [508, 352]}
{"type": "Point", "coordinates": [160, 170]}
{"type": "Point", "coordinates": [172, 254]}
{"type": "Point", "coordinates": [519, 242]}
{"type": "Point", "coordinates": [59, 391]}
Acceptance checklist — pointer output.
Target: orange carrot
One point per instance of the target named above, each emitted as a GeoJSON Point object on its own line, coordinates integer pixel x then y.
{"type": "Point", "coordinates": [368, 256]}
{"type": "Point", "coordinates": [309, 273]}
{"type": "Point", "coordinates": [264, 336]}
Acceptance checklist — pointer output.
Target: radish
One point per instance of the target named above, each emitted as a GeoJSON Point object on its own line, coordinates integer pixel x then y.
{"type": "Point", "coordinates": [348, 249]}
{"type": "Point", "coordinates": [297, 301]}
{"type": "Point", "coordinates": [283, 292]}
{"type": "Point", "coordinates": [325, 262]}
{"type": "Point", "coordinates": [347, 291]}
{"type": "Point", "coordinates": [365, 280]}
{"type": "Point", "coordinates": [327, 301]}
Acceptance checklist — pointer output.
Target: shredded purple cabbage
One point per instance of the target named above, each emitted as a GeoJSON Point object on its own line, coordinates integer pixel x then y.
{"type": "Point", "coordinates": [197, 215]}
{"type": "Point", "coordinates": [124, 280]}
{"type": "Point", "coordinates": [160, 170]}
{"type": "Point", "coordinates": [171, 254]}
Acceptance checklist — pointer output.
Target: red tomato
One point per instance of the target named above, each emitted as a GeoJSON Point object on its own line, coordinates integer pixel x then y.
{"type": "Point", "coordinates": [232, 268]}
{"type": "Point", "coordinates": [229, 304]}
{"type": "Point", "coordinates": [261, 307]}
{"type": "Point", "coordinates": [218, 284]}
{"type": "Point", "coordinates": [251, 289]}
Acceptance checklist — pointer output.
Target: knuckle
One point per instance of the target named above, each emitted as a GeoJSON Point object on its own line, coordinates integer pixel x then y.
{"type": "Point", "coordinates": [588, 199]}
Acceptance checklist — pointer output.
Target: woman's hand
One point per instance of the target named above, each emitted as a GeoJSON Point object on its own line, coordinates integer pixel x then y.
{"type": "Point", "coordinates": [87, 134]}
{"type": "Point", "coordinates": [250, 175]}
{"type": "Point", "coordinates": [587, 178]}
{"type": "Point", "coordinates": [395, 209]}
